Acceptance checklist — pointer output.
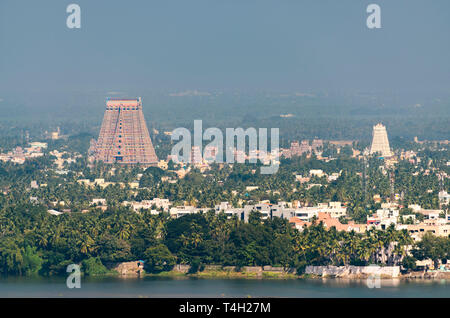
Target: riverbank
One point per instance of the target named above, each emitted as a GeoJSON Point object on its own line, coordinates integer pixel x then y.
{"type": "Point", "coordinates": [427, 275]}
{"type": "Point", "coordinates": [281, 275]}
{"type": "Point", "coordinates": [136, 269]}
{"type": "Point", "coordinates": [225, 274]}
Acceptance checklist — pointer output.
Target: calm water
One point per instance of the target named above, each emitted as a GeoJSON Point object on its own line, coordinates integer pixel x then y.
{"type": "Point", "coordinates": [167, 287]}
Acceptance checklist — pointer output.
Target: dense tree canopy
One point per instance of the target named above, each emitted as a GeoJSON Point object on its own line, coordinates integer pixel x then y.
{"type": "Point", "coordinates": [34, 241]}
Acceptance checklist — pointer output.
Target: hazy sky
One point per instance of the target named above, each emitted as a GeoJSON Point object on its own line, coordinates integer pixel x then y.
{"type": "Point", "coordinates": [224, 44]}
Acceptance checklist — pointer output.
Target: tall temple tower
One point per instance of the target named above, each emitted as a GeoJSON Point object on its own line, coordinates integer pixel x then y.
{"type": "Point", "coordinates": [124, 136]}
{"type": "Point", "coordinates": [380, 141]}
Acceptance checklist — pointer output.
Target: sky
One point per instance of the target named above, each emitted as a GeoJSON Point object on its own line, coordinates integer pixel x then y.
{"type": "Point", "coordinates": [178, 45]}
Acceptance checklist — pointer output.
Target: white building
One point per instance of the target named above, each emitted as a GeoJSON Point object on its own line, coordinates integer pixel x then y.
{"type": "Point", "coordinates": [163, 204]}
{"type": "Point", "coordinates": [444, 197]}
{"type": "Point", "coordinates": [429, 214]}
{"type": "Point", "coordinates": [54, 212]}
{"type": "Point", "coordinates": [179, 211]}
{"type": "Point", "coordinates": [98, 202]}
{"type": "Point", "coordinates": [387, 213]}
{"type": "Point", "coordinates": [316, 172]}
{"type": "Point", "coordinates": [334, 209]}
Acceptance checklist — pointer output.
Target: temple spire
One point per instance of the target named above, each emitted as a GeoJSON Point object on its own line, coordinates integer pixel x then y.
{"type": "Point", "coordinates": [124, 137]}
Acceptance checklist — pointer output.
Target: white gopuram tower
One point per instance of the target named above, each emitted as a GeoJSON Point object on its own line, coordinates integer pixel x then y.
{"type": "Point", "coordinates": [380, 141]}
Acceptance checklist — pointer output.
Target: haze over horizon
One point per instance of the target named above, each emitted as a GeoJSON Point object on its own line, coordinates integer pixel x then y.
{"type": "Point", "coordinates": [206, 45]}
{"type": "Point", "coordinates": [244, 62]}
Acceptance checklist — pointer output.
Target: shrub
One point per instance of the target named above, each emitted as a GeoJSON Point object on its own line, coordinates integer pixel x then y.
{"type": "Point", "coordinates": [196, 266]}
{"type": "Point", "coordinates": [158, 259]}
{"type": "Point", "coordinates": [409, 263]}
{"type": "Point", "coordinates": [93, 266]}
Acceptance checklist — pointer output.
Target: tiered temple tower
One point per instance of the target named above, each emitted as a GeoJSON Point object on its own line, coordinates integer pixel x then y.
{"type": "Point", "coordinates": [124, 136]}
{"type": "Point", "coordinates": [380, 141]}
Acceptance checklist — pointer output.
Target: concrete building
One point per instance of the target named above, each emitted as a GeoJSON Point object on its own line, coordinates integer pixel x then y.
{"type": "Point", "coordinates": [444, 197]}
{"type": "Point", "coordinates": [417, 231]}
{"type": "Point", "coordinates": [334, 209]}
{"type": "Point", "coordinates": [163, 204]}
{"type": "Point", "coordinates": [329, 222]}
{"type": "Point", "coordinates": [182, 210]}
{"type": "Point", "coordinates": [229, 211]}
{"type": "Point", "coordinates": [316, 173]}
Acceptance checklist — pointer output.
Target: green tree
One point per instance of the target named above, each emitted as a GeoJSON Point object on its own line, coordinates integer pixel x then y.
{"type": "Point", "coordinates": [93, 266]}
{"type": "Point", "coordinates": [32, 261]}
{"type": "Point", "coordinates": [432, 247]}
{"type": "Point", "coordinates": [159, 258]}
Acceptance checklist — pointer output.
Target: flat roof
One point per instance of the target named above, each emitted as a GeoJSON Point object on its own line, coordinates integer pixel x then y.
{"type": "Point", "coordinates": [124, 99]}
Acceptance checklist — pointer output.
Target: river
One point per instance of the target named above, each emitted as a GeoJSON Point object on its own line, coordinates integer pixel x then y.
{"type": "Point", "coordinates": [190, 287]}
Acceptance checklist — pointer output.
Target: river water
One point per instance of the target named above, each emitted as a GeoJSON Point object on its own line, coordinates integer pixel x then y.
{"type": "Point", "coordinates": [190, 287]}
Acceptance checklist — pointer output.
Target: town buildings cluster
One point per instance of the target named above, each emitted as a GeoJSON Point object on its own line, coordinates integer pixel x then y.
{"type": "Point", "coordinates": [18, 155]}
{"type": "Point", "coordinates": [331, 214]}
{"type": "Point", "coordinates": [300, 214]}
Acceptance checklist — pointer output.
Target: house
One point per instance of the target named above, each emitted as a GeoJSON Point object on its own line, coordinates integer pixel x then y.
{"type": "Point", "coordinates": [387, 213]}
{"type": "Point", "coordinates": [431, 214]}
{"type": "Point", "coordinates": [182, 210]}
{"type": "Point", "coordinates": [263, 208]}
{"type": "Point", "coordinates": [316, 172]}
{"type": "Point", "coordinates": [98, 202]}
{"type": "Point", "coordinates": [333, 177]}
{"type": "Point", "coordinates": [428, 213]}
{"type": "Point", "coordinates": [306, 213]}
{"type": "Point", "coordinates": [335, 209]}
{"type": "Point", "coordinates": [229, 211]}
{"type": "Point", "coordinates": [418, 230]}
{"type": "Point", "coordinates": [329, 222]}
{"type": "Point", "coordinates": [163, 204]}
{"type": "Point", "coordinates": [384, 217]}
{"type": "Point", "coordinates": [444, 197]}
{"type": "Point", "coordinates": [298, 223]}
{"type": "Point", "coordinates": [302, 179]}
